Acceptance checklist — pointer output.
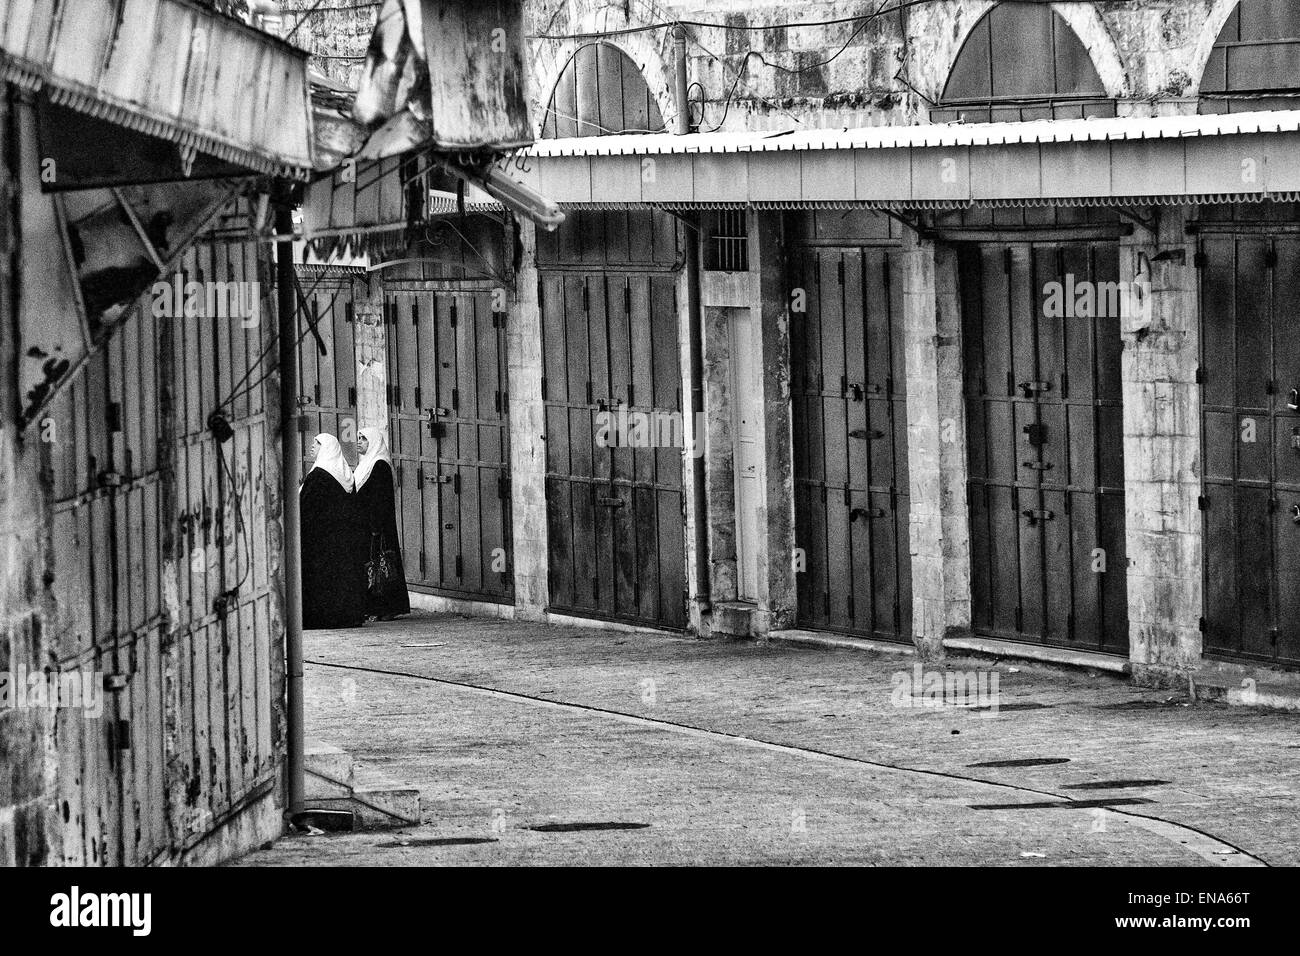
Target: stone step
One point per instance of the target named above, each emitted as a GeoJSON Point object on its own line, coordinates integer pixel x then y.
{"type": "Point", "coordinates": [733, 619]}
{"type": "Point", "coordinates": [334, 782]}
{"type": "Point", "coordinates": [1244, 692]}
{"type": "Point", "coordinates": [329, 771]}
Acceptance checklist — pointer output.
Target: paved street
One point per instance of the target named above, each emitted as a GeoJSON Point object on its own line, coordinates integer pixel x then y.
{"type": "Point", "coordinates": [654, 749]}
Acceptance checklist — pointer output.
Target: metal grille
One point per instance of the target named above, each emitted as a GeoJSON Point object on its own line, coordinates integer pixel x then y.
{"type": "Point", "coordinates": [726, 247]}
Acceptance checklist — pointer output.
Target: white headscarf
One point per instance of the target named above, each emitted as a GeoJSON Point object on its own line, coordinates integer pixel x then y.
{"type": "Point", "coordinates": [376, 451]}
{"type": "Point", "coordinates": [329, 458]}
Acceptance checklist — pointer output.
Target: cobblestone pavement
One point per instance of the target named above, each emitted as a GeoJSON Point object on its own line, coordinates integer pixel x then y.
{"type": "Point", "coordinates": [683, 751]}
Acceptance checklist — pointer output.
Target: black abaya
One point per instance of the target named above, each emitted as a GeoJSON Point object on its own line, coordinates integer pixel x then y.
{"type": "Point", "coordinates": [333, 586]}
{"type": "Point", "coordinates": [377, 508]}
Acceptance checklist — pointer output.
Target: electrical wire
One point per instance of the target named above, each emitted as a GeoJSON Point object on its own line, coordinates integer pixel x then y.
{"type": "Point", "coordinates": [743, 27]}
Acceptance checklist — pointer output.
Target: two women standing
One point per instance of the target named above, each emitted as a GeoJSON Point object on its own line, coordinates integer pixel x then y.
{"type": "Point", "coordinates": [351, 556]}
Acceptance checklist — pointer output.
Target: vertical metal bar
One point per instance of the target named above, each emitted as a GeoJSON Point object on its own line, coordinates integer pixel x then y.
{"type": "Point", "coordinates": [287, 313]}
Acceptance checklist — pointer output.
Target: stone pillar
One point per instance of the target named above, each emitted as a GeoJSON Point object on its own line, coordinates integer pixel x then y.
{"type": "Point", "coordinates": [372, 354]}
{"type": "Point", "coordinates": [1162, 441]}
{"type": "Point", "coordinates": [939, 533]}
{"type": "Point", "coordinates": [778, 590]}
{"type": "Point", "coordinates": [721, 294]}
{"type": "Point", "coordinates": [524, 360]}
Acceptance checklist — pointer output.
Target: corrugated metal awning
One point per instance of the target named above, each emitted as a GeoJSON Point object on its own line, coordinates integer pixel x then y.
{"type": "Point", "coordinates": [1151, 159]}
{"type": "Point", "coordinates": [170, 69]}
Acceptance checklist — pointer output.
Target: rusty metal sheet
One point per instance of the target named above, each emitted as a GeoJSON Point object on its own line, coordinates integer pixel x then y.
{"type": "Point", "coordinates": [170, 69]}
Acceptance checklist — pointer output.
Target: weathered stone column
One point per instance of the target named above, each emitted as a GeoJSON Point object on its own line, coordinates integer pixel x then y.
{"type": "Point", "coordinates": [1162, 439]}
{"type": "Point", "coordinates": [721, 294]}
{"type": "Point", "coordinates": [939, 532]}
{"type": "Point", "coordinates": [372, 354]}
{"type": "Point", "coordinates": [527, 434]}
{"type": "Point", "coordinates": [778, 594]}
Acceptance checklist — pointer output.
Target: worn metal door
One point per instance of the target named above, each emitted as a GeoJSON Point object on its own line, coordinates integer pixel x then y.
{"type": "Point", "coordinates": [162, 545]}
{"type": "Point", "coordinates": [449, 404]}
{"type": "Point", "coordinates": [1250, 294]}
{"type": "Point", "coordinates": [327, 363]}
{"type": "Point", "coordinates": [1045, 442]}
{"type": "Point", "coordinates": [222, 544]}
{"type": "Point", "coordinates": [615, 507]}
{"type": "Point", "coordinates": [850, 441]}
{"type": "Point", "coordinates": [107, 537]}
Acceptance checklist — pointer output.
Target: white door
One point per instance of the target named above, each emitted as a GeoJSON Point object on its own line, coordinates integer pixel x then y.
{"type": "Point", "coordinates": [747, 407]}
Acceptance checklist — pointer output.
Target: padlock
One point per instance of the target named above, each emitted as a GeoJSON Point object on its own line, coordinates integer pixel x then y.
{"type": "Point", "coordinates": [1293, 400]}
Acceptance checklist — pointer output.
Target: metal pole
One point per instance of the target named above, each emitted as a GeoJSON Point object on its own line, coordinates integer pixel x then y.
{"type": "Point", "coordinates": [287, 311]}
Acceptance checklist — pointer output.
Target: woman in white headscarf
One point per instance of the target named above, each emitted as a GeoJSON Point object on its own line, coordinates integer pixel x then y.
{"type": "Point", "coordinates": [333, 587]}
{"type": "Point", "coordinates": [381, 554]}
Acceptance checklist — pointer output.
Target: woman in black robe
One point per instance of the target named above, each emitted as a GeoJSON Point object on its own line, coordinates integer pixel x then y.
{"type": "Point", "coordinates": [333, 588]}
{"type": "Point", "coordinates": [377, 508]}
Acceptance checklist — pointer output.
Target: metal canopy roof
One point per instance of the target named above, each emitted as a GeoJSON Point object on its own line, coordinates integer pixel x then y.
{"type": "Point", "coordinates": [1152, 159]}
{"type": "Point", "coordinates": [167, 68]}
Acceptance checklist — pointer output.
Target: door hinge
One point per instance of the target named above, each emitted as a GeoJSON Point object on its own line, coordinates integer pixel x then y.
{"type": "Point", "coordinates": [352, 396]}
{"type": "Point", "coordinates": [1203, 503]}
{"type": "Point", "coordinates": [1020, 618]}
{"type": "Point", "coordinates": [1200, 260]}
{"type": "Point", "coordinates": [347, 312]}
{"type": "Point", "coordinates": [1200, 375]}
{"type": "Point", "coordinates": [452, 312]}
{"type": "Point", "coordinates": [503, 487]}
{"type": "Point", "coordinates": [460, 567]}
{"type": "Point", "coordinates": [423, 563]}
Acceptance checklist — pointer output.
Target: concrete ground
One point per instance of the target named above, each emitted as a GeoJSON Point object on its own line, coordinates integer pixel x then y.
{"type": "Point", "coordinates": [644, 748]}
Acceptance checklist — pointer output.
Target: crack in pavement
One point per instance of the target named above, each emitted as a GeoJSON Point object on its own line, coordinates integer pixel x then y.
{"type": "Point", "coordinates": [1214, 849]}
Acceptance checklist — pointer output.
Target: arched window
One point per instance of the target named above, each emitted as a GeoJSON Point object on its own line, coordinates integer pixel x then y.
{"type": "Point", "coordinates": [601, 92]}
{"type": "Point", "coordinates": [1255, 63]}
{"type": "Point", "coordinates": [1022, 62]}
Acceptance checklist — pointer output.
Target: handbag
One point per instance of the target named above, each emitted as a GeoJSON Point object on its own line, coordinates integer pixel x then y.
{"type": "Point", "coordinates": [381, 569]}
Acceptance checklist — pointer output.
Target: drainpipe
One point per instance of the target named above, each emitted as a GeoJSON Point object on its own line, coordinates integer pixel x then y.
{"type": "Point", "coordinates": [695, 336]}
{"type": "Point", "coordinates": [290, 468]}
